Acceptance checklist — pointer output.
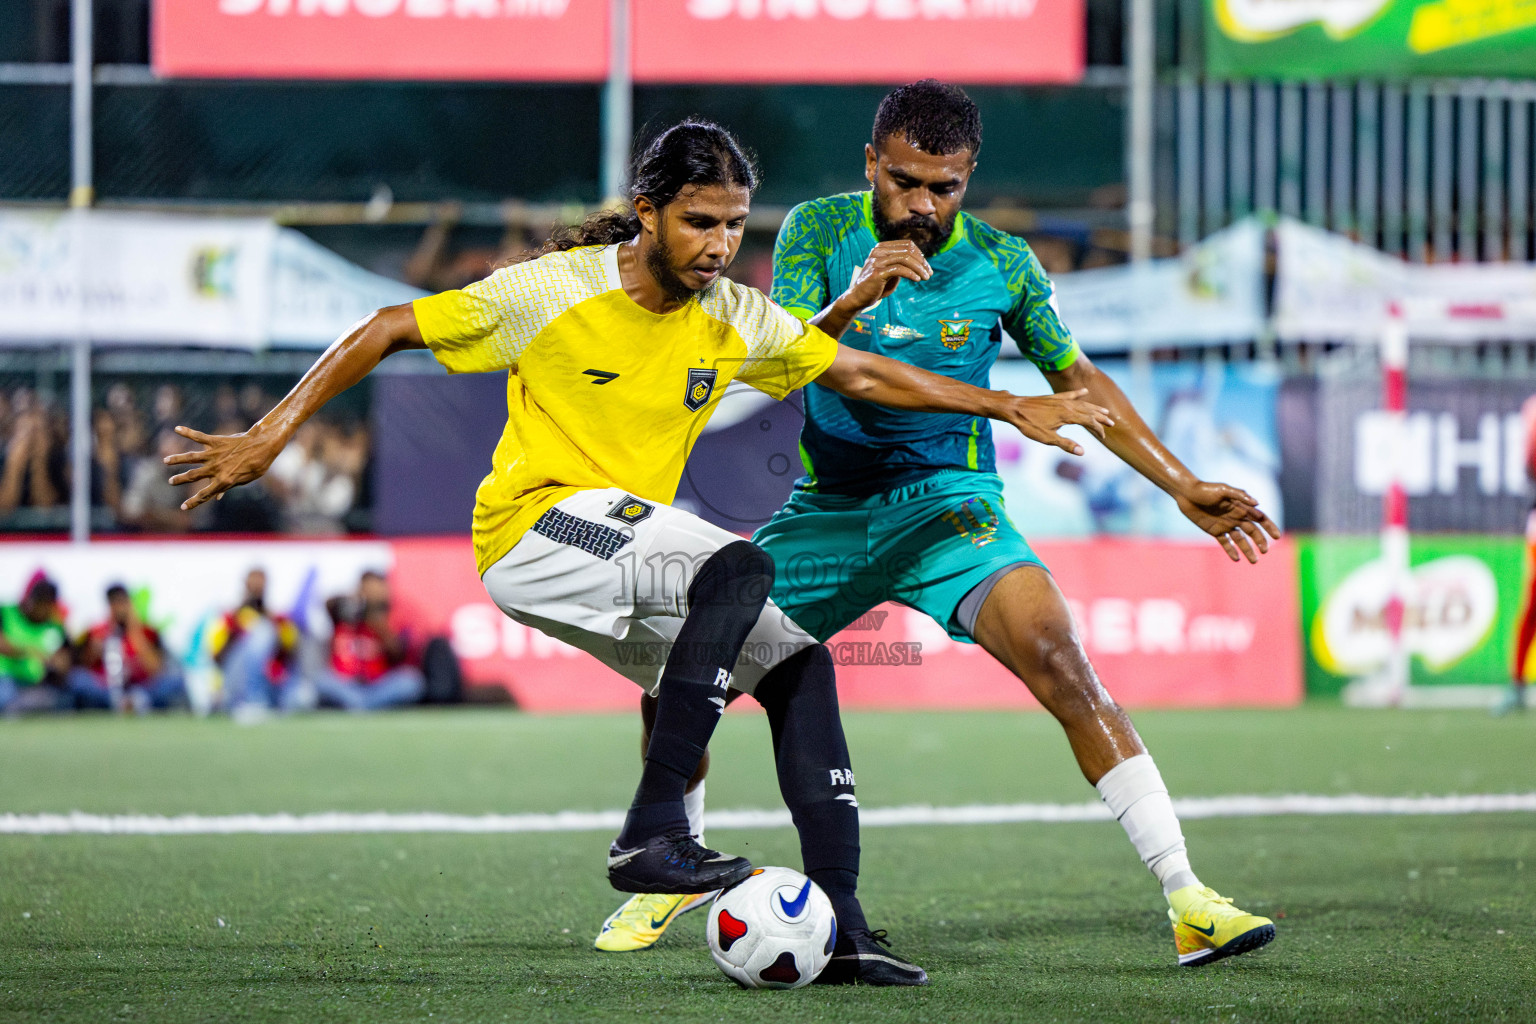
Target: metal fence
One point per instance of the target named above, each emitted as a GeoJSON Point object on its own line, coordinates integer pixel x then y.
{"type": "Point", "coordinates": [1432, 171]}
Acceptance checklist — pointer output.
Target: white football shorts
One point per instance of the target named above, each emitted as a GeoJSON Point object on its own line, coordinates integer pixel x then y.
{"type": "Point", "coordinates": [609, 573]}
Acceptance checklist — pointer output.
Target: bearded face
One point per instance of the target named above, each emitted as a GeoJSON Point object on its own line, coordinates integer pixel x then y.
{"type": "Point", "coordinates": [916, 195]}
{"type": "Point", "coordinates": [927, 231]}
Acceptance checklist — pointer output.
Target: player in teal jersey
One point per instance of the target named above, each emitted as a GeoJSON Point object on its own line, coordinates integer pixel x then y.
{"type": "Point", "coordinates": [908, 508]}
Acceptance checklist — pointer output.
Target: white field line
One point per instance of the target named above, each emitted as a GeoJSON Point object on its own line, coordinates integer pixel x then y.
{"type": "Point", "coordinates": [332, 822]}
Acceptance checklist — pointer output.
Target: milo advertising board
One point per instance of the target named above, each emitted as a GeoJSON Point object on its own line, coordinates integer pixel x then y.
{"type": "Point", "coordinates": [1459, 620]}
{"type": "Point", "coordinates": [1371, 38]}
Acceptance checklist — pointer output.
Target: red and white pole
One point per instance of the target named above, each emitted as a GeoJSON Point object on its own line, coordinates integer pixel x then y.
{"type": "Point", "coordinates": [1394, 512]}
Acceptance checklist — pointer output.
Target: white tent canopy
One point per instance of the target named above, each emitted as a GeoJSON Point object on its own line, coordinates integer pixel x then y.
{"type": "Point", "coordinates": [1331, 288]}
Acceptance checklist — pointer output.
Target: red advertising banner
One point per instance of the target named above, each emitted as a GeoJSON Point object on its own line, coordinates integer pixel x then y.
{"type": "Point", "coordinates": [505, 40]}
{"type": "Point", "coordinates": [1166, 624]}
{"type": "Point", "coordinates": [881, 41]}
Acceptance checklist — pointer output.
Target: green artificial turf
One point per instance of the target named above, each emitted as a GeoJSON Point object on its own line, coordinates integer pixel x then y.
{"type": "Point", "coordinates": [1412, 918]}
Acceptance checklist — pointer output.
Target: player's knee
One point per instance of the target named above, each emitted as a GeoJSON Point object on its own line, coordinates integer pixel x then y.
{"type": "Point", "coordinates": [1058, 670]}
{"type": "Point", "coordinates": [739, 562]}
{"type": "Point", "coordinates": [818, 667]}
{"type": "Point", "coordinates": [808, 671]}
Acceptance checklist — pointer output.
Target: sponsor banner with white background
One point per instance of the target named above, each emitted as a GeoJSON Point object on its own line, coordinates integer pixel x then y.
{"type": "Point", "coordinates": [161, 279]}
{"type": "Point", "coordinates": [135, 277]}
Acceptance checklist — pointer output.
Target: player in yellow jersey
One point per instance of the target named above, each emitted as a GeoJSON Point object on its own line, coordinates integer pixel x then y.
{"type": "Point", "coordinates": [618, 341]}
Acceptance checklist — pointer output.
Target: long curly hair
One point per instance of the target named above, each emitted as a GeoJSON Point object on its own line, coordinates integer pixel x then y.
{"type": "Point", "coordinates": [692, 152]}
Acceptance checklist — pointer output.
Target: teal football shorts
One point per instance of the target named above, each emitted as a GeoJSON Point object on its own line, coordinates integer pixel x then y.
{"type": "Point", "coordinates": [926, 546]}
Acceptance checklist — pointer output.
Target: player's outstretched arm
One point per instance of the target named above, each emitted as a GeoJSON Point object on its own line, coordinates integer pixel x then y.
{"type": "Point", "coordinates": [874, 378]}
{"type": "Point", "coordinates": [230, 460]}
{"type": "Point", "coordinates": [1230, 515]}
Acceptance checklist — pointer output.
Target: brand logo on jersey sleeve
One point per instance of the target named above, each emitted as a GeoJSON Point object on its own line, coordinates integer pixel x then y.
{"type": "Point", "coordinates": [955, 333]}
{"type": "Point", "coordinates": [701, 384]}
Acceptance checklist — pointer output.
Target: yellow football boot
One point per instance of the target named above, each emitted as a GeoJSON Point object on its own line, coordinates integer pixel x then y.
{"type": "Point", "coordinates": [1207, 927]}
{"type": "Point", "coordinates": [642, 919]}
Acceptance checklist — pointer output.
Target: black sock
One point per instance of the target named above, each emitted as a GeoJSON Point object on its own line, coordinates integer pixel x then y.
{"type": "Point", "coordinates": [800, 696]}
{"type": "Point", "coordinates": [724, 601]}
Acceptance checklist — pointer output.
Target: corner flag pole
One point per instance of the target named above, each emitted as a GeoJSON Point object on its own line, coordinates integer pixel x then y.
{"type": "Point", "coordinates": [1394, 512]}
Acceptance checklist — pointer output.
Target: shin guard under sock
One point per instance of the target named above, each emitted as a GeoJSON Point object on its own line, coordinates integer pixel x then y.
{"type": "Point", "coordinates": [815, 777]}
{"type": "Point", "coordinates": [724, 601]}
{"type": "Point", "coordinates": [1134, 792]}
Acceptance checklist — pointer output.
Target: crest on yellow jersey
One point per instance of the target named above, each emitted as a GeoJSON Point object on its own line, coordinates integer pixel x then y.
{"type": "Point", "coordinates": [954, 333]}
{"type": "Point", "coordinates": [701, 384]}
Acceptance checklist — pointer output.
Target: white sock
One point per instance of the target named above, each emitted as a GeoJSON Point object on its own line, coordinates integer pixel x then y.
{"type": "Point", "coordinates": [1136, 796]}
{"type": "Point", "coordinates": [693, 803]}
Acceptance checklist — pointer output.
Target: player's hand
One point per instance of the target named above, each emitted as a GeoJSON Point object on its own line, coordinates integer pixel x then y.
{"type": "Point", "coordinates": [1040, 417]}
{"type": "Point", "coordinates": [227, 460]}
{"type": "Point", "coordinates": [886, 266]}
{"type": "Point", "coordinates": [1232, 516]}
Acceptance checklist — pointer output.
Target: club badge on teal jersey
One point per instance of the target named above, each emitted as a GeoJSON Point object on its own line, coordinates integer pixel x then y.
{"type": "Point", "coordinates": [955, 333]}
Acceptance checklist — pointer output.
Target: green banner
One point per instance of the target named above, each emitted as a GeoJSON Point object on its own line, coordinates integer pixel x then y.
{"type": "Point", "coordinates": [1370, 38]}
{"type": "Point", "coordinates": [1459, 623]}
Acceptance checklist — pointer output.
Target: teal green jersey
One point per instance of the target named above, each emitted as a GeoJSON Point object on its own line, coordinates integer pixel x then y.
{"type": "Point", "coordinates": [985, 282]}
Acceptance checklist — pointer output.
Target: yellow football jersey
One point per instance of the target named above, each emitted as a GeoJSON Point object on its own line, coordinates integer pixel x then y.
{"type": "Point", "coordinates": [602, 392]}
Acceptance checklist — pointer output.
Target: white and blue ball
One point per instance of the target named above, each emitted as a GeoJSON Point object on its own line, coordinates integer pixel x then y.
{"type": "Point", "coordinates": [774, 930]}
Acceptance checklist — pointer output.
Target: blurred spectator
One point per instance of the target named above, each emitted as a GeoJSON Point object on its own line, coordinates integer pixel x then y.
{"type": "Point", "coordinates": [32, 474]}
{"type": "Point", "coordinates": [256, 651]}
{"type": "Point", "coordinates": [132, 431]}
{"type": "Point", "coordinates": [128, 481]}
{"type": "Point", "coordinates": [226, 407]}
{"type": "Point", "coordinates": [33, 653]}
{"type": "Point", "coordinates": [367, 669]}
{"type": "Point", "coordinates": [122, 663]}
{"type": "Point", "coordinates": [316, 478]}
{"type": "Point", "coordinates": [150, 502]}
{"type": "Point", "coordinates": [111, 465]}
{"type": "Point", "coordinates": [254, 403]}
{"type": "Point", "coordinates": [167, 406]}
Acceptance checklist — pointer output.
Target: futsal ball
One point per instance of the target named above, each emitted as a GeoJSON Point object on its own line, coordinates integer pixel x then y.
{"type": "Point", "coordinates": [774, 930]}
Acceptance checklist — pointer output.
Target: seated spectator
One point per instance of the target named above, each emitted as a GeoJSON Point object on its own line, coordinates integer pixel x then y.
{"type": "Point", "coordinates": [367, 669]}
{"type": "Point", "coordinates": [257, 652]}
{"type": "Point", "coordinates": [33, 654]}
{"type": "Point", "coordinates": [122, 663]}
